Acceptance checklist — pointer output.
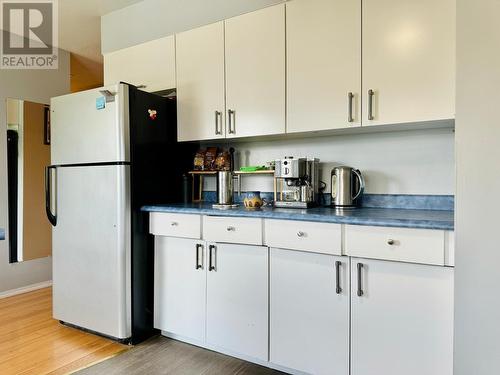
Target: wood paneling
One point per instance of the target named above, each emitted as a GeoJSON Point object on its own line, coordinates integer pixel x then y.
{"type": "Point", "coordinates": [31, 342]}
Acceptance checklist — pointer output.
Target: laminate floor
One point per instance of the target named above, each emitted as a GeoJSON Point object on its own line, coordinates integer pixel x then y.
{"type": "Point", "coordinates": [31, 342]}
{"type": "Point", "coordinates": [164, 356]}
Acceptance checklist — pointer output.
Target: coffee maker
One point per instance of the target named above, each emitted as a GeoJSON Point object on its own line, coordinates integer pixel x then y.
{"type": "Point", "coordinates": [296, 182]}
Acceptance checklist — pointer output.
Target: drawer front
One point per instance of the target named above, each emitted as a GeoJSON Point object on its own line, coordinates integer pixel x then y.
{"type": "Point", "coordinates": [175, 225]}
{"type": "Point", "coordinates": [302, 235]}
{"type": "Point", "coordinates": [399, 244]}
{"type": "Point", "coordinates": [232, 230]}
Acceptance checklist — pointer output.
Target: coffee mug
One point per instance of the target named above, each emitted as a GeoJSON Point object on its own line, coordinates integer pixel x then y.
{"type": "Point", "coordinates": [253, 200]}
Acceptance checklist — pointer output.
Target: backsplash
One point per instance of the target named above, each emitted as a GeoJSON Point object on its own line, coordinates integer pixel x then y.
{"type": "Point", "coordinates": [410, 202]}
{"type": "Point", "coordinates": [415, 162]}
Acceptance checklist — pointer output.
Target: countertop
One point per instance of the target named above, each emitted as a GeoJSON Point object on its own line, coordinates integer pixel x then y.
{"type": "Point", "coordinates": [385, 217]}
{"type": "Point", "coordinates": [2, 234]}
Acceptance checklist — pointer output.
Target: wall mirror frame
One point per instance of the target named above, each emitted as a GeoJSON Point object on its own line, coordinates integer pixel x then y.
{"type": "Point", "coordinates": [28, 153]}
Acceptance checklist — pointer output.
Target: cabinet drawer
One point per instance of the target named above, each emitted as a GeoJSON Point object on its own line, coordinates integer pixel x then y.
{"type": "Point", "coordinates": [302, 235]}
{"type": "Point", "coordinates": [232, 230]}
{"type": "Point", "coordinates": [175, 225]}
{"type": "Point", "coordinates": [399, 244]}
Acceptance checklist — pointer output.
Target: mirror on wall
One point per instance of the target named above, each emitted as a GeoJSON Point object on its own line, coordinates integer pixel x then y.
{"type": "Point", "coordinates": [28, 153]}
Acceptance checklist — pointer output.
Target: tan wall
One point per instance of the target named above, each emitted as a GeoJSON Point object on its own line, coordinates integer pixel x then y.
{"type": "Point", "coordinates": [37, 233]}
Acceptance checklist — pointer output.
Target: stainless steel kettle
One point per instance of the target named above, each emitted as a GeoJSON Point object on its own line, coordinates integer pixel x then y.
{"type": "Point", "coordinates": [347, 185]}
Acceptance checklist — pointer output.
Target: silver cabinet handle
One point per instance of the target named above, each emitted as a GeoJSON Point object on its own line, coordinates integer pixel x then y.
{"type": "Point", "coordinates": [371, 93]}
{"type": "Point", "coordinates": [390, 241]}
{"type": "Point", "coordinates": [174, 224]}
{"type": "Point", "coordinates": [212, 253]}
{"type": "Point", "coordinates": [338, 289]}
{"type": "Point", "coordinates": [230, 121]}
{"type": "Point", "coordinates": [360, 280]}
{"type": "Point", "coordinates": [218, 122]}
{"type": "Point", "coordinates": [231, 229]}
{"type": "Point", "coordinates": [300, 234]}
{"type": "Point", "coordinates": [350, 98]}
{"type": "Point", "coordinates": [199, 247]}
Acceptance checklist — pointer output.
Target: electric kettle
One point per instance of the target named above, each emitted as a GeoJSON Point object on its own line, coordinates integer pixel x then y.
{"type": "Point", "coordinates": [347, 186]}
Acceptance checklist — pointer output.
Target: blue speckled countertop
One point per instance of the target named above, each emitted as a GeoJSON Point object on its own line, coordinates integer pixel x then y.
{"type": "Point", "coordinates": [385, 217]}
{"type": "Point", "coordinates": [2, 234]}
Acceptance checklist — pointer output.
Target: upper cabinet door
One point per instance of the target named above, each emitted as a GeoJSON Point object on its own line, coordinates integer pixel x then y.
{"type": "Point", "coordinates": [323, 64]}
{"type": "Point", "coordinates": [408, 61]}
{"type": "Point", "coordinates": [255, 73]}
{"type": "Point", "coordinates": [150, 64]}
{"type": "Point", "coordinates": [200, 83]}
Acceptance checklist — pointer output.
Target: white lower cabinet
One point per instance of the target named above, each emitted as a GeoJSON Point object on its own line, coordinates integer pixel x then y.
{"type": "Point", "coordinates": [401, 318]}
{"type": "Point", "coordinates": [180, 287]}
{"type": "Point", "coordinates": [237, 299]}
{"type": "Point", "coordinates": [303, 311]}
{"type": "Point", "coordinates": [309, 312]}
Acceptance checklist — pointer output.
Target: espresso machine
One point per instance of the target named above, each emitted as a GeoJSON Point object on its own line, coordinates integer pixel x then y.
{"type": "Point", "coordinates": [296, 182]}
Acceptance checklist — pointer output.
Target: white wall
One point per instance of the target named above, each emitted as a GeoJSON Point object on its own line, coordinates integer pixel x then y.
{"type": "Point", "coordinates": [477, 276]}
{"type": "Point", "coordinates": [403, 162]}
{"type": "Point", "coordinates": [36, 86]}
{"type": "Point", "coordinates": [153, 19]}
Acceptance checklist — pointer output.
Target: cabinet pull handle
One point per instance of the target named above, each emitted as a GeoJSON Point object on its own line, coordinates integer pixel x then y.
{"type": "Point", "coordinates": [199, 247]}
{"type": "Point", "coordinates": [174, 224]}
{"type": "Point", "coordinates": [390, 241]}
{"type": "Point", "coordinates": [300, 234]}
{"type": "Point", "coordinates": [230, 119]}
{"type": "Point", "coordinates": [338, 289]}
{"type": "Point", "coordinates": [350, 98]}
{"type": "Point", "coordinates": [218, 129]}
{"type": "Point", "coordinates": [371, 93]}
{"type": "Point", "coordinates": [212, 253]}
{"type": "Point", "coordinates": [360, 286]}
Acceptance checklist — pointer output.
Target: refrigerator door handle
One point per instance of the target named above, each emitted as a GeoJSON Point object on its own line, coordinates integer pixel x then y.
{"type": "Point", "coordinates": [48, 195]}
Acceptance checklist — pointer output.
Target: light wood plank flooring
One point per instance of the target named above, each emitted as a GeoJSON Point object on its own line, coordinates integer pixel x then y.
{"type": "Point", "coordinates": [31, 342]}
{"type": "Point", "coordinates": [164, 356]}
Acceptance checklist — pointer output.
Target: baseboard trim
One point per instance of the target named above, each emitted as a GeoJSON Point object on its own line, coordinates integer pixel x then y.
{"type": "Point", "coordinates": [25, 289]}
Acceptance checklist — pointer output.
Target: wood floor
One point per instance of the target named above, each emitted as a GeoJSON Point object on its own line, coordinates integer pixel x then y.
{"type": "Point", "coordinates": [31, 342]}
{"type": "Point", "coordinates": [164, 356]}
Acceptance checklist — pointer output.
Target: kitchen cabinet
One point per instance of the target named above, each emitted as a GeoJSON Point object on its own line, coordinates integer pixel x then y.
{"type": "Point", "coordinates": [237, 299]}
{"type": "Point", "coordinates": [401, 318]}
{"type": "Point", "coordinates": [309, 311]}
{"type": "Point", "coordinates": [180, 287]}
{"type": "Point", "coordinates": [323, 64]}
{"type": "Point", "coordinates": [255, 73]}
{"type": "Point", "coordinates": [408, 61]}
{"type": "Point", "coordinates": [150, 64]}
{"type": "Point", "coordinates": [200, 83]}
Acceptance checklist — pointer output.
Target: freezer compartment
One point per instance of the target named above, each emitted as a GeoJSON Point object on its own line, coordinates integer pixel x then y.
{"type": "Point", "coordinates": [92, 249]}
{"type": "Point", "coordinates": [91, 126]}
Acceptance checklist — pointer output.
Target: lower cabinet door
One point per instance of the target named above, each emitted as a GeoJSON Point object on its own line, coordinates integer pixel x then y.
{"type": "Point", "coordinates": [237, 299]}
{"type": "Point", "coordinates": [309, 312]}
{"type": "Point", "coordinates": [401, 318]}
{"type": "Point", "coordinates": [180, 287]}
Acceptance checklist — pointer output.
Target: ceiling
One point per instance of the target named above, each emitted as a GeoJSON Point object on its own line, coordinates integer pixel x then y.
{"type": "Point", "coordinates": [80, 25]}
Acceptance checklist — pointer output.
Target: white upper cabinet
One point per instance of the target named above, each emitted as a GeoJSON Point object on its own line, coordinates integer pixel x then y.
{"type": "Point", "coordinates": [255, 73]}
{"type": "Point", "coordinates": [200, 83]}
{"type": "Point", "coordinates": [323, 64]}
{"type": "Point", "coordinates": [150, 64]}
{"type": "Point", "coordinates": [408, 61]}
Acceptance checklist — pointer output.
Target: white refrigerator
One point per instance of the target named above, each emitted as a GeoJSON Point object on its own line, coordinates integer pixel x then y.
{"type": "Point", "coordinates": [110, 152]}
